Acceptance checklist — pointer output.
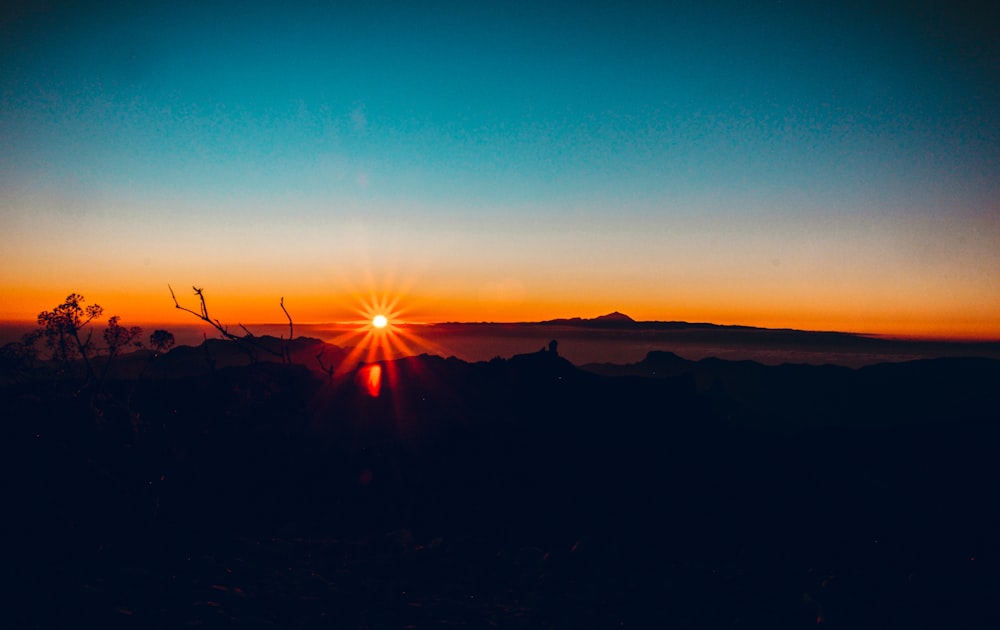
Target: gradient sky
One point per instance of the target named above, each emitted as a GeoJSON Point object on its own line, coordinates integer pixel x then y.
{"type": "Point", "coordinates": [821, 165]}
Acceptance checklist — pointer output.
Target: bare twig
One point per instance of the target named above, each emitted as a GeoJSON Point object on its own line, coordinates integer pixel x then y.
{"type": "Point", "coordinates": [327, 370]}
{"type": "Point", "coordinates": [214, 323]}
{"type": "Point", "coordinates": [249, 339]}
{"type": "Point", "coordinates": [287, 347]}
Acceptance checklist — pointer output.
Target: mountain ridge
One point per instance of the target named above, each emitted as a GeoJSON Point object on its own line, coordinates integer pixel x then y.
{"type": "Point", "coordinates": [617, 319]}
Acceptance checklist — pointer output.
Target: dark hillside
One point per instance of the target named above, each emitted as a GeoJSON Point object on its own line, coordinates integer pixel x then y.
{"type": "Point", "coordinates": [523, 492]}
{"type": "Point", "coordinates": [795, 397]}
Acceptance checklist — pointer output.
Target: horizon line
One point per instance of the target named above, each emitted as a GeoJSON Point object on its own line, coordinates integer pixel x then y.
{"type": "Point", "coordinates": [916, 337]}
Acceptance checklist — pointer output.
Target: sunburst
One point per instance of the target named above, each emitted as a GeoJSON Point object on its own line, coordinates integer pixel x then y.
{"type": "Point", "coordinates": [379, 335]}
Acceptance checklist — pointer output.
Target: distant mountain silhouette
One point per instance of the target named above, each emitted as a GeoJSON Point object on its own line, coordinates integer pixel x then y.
{"type": "Point", "coordinates": [625, 338]}
{"type": "Point", "coordinates": [612, 320]}
{"type": "Point", "coordinates": [618, 320]}
{"type": "Point", "coordinates": [621, 320]}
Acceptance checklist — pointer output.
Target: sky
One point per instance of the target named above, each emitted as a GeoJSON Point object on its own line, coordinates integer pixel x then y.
{"type": "Point", "coordinates": [817, 165]}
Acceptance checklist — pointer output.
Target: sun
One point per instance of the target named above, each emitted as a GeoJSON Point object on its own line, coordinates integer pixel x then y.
{"type": "Point", "coordinates": [381, 333]}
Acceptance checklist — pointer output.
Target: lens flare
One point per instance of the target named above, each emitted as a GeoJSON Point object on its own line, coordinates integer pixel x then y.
{"type": "Point", "coordinates": [382, 348]}
{"type": "Point", "coordinates": [381, 333]}
{"type": "Point", "coordinates": [371, 379]}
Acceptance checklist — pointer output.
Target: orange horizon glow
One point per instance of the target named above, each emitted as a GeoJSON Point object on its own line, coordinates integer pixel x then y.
{"type": "Point", "coordinates": [358, 310]}
{"type": "Point", "coordinates": [370, 342]}
{"type": "Point", "coordinates": [409, 328]}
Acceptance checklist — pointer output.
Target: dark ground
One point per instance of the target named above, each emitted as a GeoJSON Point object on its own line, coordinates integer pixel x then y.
{"type": "Point", "coordinates": [519, 493]}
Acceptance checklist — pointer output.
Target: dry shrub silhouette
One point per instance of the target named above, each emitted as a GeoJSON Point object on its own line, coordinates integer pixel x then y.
{"type": "Point", "coordinates": [161, 341]}
{"type": "Point", "coordinates": [67, 332]}
{"type": "Point", "coordinates": [61, 329]}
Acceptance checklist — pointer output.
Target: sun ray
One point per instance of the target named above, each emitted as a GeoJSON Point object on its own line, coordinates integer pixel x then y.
{"type": "Point", "coordinates": [380, 333]}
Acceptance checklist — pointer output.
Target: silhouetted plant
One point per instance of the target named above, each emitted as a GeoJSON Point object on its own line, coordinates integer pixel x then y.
{"type": "Point", "coordinates": [18, 357]}
{"type": "Point", "coordinates": [247, 343]}
{"type": "Point", "coordinates": [118, 337]}
{"type": "Point", "coordinates": [161, 341]}
{"type": "Point", "coordinates": [285, 353]}
{"type": "Point", "coordinates": [326, 369]}
{"type": "Point", "coordinates": [61, 328]}
{"type": "Point", "coordinates": [286, 350]}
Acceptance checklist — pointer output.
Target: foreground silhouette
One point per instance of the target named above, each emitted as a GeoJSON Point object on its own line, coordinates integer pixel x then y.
{"type": "Point", "coordinates": [520, 492]}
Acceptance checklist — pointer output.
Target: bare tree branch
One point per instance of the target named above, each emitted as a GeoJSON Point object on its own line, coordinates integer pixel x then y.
{"type": "Point", "coordinates": [249, 339]}
{"type": "Point", "coordinates": [282, 303]}
{"type": "Point", "coordinates": [327, 370]}
{"type": "Point", "coordinates": [202, 315]}
{"type": "Point", "coordinates": [214, 323]}
{"type": "Point", "coordinates": [291, 334]}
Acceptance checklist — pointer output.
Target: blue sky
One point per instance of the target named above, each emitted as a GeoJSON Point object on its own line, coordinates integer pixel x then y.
{"type": "Point", "coordinates": [575, 150]}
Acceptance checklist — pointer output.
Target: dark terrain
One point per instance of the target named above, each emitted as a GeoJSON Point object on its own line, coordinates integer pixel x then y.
{"type": "Point", "coordinates": [516, 493]}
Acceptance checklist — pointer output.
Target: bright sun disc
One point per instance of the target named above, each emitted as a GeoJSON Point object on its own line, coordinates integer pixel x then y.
{"type": "Point", "coordinates": [379, 321]}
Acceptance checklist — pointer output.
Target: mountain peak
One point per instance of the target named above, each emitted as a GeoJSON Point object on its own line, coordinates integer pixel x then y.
{"type": "Point", "coordinates": [612, 320]}
{"type": "Point", "coordinates": [614, 317]}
